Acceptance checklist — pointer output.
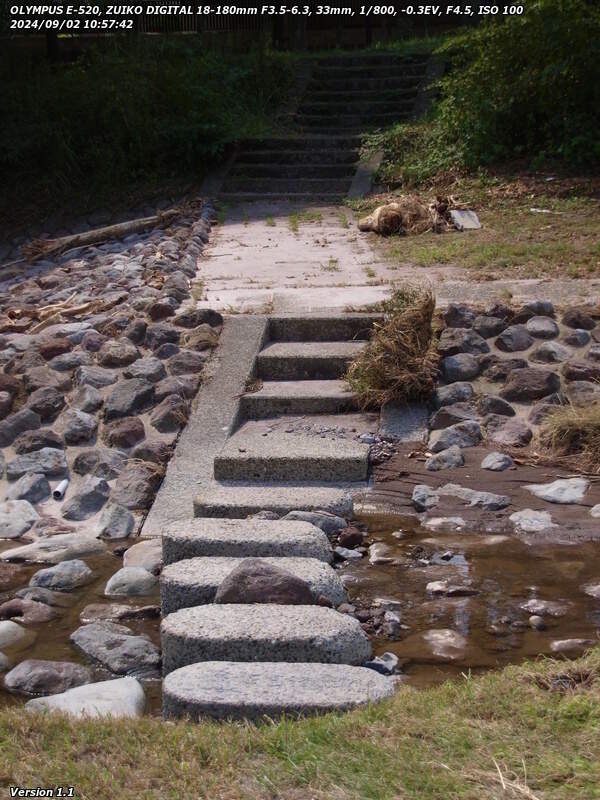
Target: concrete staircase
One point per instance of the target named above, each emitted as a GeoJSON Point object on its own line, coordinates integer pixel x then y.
{"type": "Point", "coordinates": [244, 661]}
{"type": "Point", "coordinates": [345, 97]}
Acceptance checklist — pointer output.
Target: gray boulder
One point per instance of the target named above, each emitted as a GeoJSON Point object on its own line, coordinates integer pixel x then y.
{"type": "Point", "coordinates": [424, 497]}
{"type": "Point", "coordinates": [464, 434]}
{"type": "Point", "coordinates": [17, 423]}
{"type": "Point", "coordinates": [117, 353]}
{"type": "Point", "coordinates": [542, 328]}
{"type": "Point", "coordinates": [461, 340]}
{"type": "Point", "coordinates": [35, 677]}
{"type": "Point", "coordinates": [63, 577]}
{"type": "Point", "coordinates": [118, 649]}
{"type": "Point", "coordinates": [48, 461]}
{"type": "Point", "coordinates": [131, 582]}
{"type": "Point", "coordinates": [531, 383]}
{"type": "Point", "coordinates": [117, 698]}
{"type": "Point", "coordinates": [16, 518]}
{"type": "Point", "coordinates": [452, 415]}
{"type": "Point", "coordinates": [87, 399]}
{"type": "Point", "coordinates": [514, 339]}
{"type": "Point", "coordinates": [497, 462]}
{"type": "Point", "coordinates": [461, 367]}
{"type": "Point", "coordinates": [78, 427]}
{"type": "Point", "coordinates": [89, 499]}
{"type": "Point", "coordinates": [95, 376]}
{"type": "Point", "coordinates": [328, 523]}
{"type": "Point", "coordinates": [137, 485]}
{"type": "Point", "coordinates": [563, 490]}
{"type": "Point", "coordinates": [102, 462]}
{"type": "Point", "coordinates": [32, 487]}
{"type": "Point", "coordinates": [446, 459]}
{"type": "Point", "coordinates": [170, 415]}
{"type": "Point", "coordinates": [30, 441]}
{"type": "Point", "coordinates": [129, 397]}
{"type": "Point", "coordinates": [514, 433]}
{"type": "Point", "coordinates": [48, 402]}
{"type": "Point", "coordinates": [115, 522]}
{"type": "Point", "coordinates": [458, 392]}
{"type": "Point", "coordinates": [150, 369]}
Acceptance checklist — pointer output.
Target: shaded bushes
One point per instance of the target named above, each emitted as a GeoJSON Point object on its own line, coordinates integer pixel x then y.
{"type": "Point", "coordinates": [518, 87]}
{"type": "Point", "coordinates": [132, 110]}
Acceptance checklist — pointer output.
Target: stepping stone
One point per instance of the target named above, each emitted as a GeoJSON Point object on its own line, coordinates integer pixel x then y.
{"type": "Point", "coordinates": [281, 456]}
{"type": "Point", "coordinates": [261, 633]}
{"type": "Point", "coordinates": [234, 690]}
{"type": "Point", "coordinates": [195, 581]}
{"type": "Point", "coordinates": [248, 537]}
{"type": "Point", "coordinates": [239, 501]}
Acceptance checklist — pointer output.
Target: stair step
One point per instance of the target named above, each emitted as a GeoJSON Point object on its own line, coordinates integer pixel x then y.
{"type": "Point", "coordinates": [238, 538]}
{"type": "Point", "coordinates": [366, 96]}
{"type": "Point", "coordinates": [240, 690]}
{"type": "Point", "coordinates": [312, 143]}
{"type": "Point", "coordinates": [281, 456]}
{"type": "Point", "coordinates": [291, 196]}
{"type": "Point", "coordinates": [356, 121]}
{"type": "Point", "coordinates": [262, 632]}
{"type": "Point", "coordinates": [284, 185]}
{"type": "Point", "coordinates": [365, 83]}
{"type": "Point", "coordinates": [375, 59]}
{"type": "Point", "coordinates": [297, 361]}
{"type": "Point", "coordinates": [319, 327]}
{"type": "Point", "coordinates": [383, 70]}
{"type": "Point", "coordinates": [195, 581]}
{"type": "Point", "coordinates": [275, 398]}
{"type": "Point", "coordinates": [245, 170]}
{"type": "Point", "coordinates": [239, 500]}
{"type": "Point", "coordinates": [349, 107]}
{"type": "Point", "coordinates": [328, 156]}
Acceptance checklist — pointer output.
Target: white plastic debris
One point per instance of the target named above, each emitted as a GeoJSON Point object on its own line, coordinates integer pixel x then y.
{"type": "Point", "coordinates": [465, 220]}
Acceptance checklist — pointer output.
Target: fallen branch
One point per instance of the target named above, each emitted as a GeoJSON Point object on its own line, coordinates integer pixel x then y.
{"type": "Point", "coordinates": [43, 248]}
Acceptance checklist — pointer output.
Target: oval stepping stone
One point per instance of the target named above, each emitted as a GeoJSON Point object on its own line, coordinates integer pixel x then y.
{"type": "Point", "coordinates": [233, 690]}
{"type": "Point", "coordinates": [195, 581]}
{"type": "Point", "coordinates": [237, 538]}
{"type": "Point", "coordinates": [261, 633]}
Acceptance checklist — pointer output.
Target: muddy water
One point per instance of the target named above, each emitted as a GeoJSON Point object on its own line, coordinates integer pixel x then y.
{"type": "Point", "coordinates": [52, 638]}
{"type": "Point", "coordinates": [504, 571]}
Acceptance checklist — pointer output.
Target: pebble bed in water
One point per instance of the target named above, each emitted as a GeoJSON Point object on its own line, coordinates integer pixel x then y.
{"type": "Point", "coordinates": [485, 619]}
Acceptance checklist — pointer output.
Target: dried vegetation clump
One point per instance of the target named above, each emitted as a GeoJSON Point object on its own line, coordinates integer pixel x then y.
{"type": "Point", "coordinates": [574, 432]}
{"type": "Point", "coordinates": [400, 361]}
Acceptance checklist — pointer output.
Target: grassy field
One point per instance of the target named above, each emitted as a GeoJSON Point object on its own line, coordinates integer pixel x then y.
{"type": "Point", "coordinates": [560, 238]}
{"type": "Point", "coordinates": [527, 732]}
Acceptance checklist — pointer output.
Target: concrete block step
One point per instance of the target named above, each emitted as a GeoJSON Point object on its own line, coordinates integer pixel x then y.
{"type": "Point", "coordinates": [312, 143]}
{"type": "Point", "coordinates": [383, 70]}
{"type": "Point", "coordinates": [319, 327]}
{"type": "Point", "coordinates": [285, 185]}
{"type": "Point", "coordinates": [240, 690]}
{"type": "Point", "coordinates": [360, 108]}
{"type": "Point", "coordinates": [297, 361]}
{"type": "Point", "coordinates": [330, 198]}
{"type": "Point", "coordinates": [261, 633]}
{"type": "Point", "coordinates": [280, 456]}
{"type": "Point", "coordinates": [243, 169]}
{"type": "Point", "coordinates": [351, 121]}
{"type": "Point", "coordinates": [194, 582]}
{"type": "Point", "coordinates": [367, 96]}
{"type": "Point", "coordinates": [318, 156]}
{"type": "Point", "coordinates": [239, 500]}
{"type": "Point", "coordinates": [374, 59]}
{"type": "Point", "coordinates": [237, 538]}
{"type": "Point", "coordinates": [275, 398]}
{"type": "Point", "coordinates": [355, 82]}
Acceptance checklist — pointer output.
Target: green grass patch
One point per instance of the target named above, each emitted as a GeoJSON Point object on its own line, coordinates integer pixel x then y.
{"type": "Point", "coordinates": [301, 217]}
{"type": "Point", "coordinates": [526, 732]}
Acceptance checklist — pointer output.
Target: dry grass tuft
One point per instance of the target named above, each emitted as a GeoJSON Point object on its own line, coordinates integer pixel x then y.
{"type": "Point", "coordinates": [574, 431]}
{"type": "Point", "coordinates": [400, 361]}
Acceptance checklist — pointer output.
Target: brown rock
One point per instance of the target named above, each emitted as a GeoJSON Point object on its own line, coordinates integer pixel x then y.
{"type": "Point", "coordinates": [350, 537]}
{"type": "Point", "coordinates": [256, 581]}
{"type": "Point", "coordinates": [530, 383]}
{"type": "Point", "coordinates": [55, 346]}
{"type": "Point", "coordinates": [124, 433]}
{"type": "Point", "coordinates": [26, 611]}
